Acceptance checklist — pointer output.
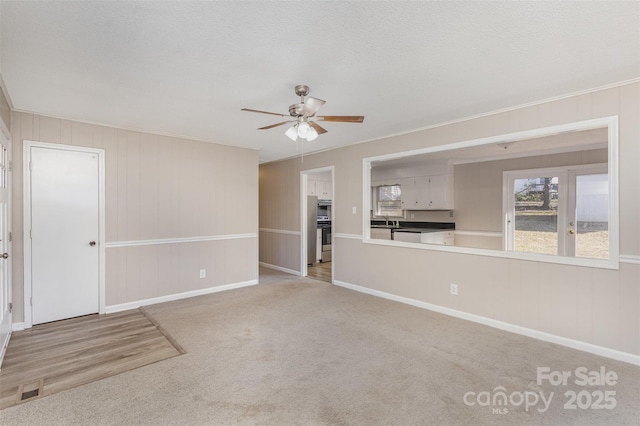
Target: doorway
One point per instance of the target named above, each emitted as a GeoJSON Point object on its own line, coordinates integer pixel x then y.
{"type": "Point", "coordinates": [63, 232]}
{"type": "Point", "coordinates": [317, 212]}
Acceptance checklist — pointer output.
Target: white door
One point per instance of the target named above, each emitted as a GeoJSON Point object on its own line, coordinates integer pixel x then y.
{"type": "Point", "coordinates": [64, 204]}
{"type": "Point", "coordinates": [5, 281]}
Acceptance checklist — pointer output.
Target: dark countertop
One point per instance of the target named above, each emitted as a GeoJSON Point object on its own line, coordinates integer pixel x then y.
{"type": "Point", "coordinates": [420, 230]}
{"type": "Point", "coordinates": [415, 226]}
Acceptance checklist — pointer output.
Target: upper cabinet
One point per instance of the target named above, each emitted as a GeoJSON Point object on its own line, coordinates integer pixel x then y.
{"type": "Point", "coordinates": [321, 189]}
{"type": "Point", "coordinates": [424, 187]}
{"type": "Point", "coordinates": [434, 192]}
{"type": "Point", "coordinates": [440, 192]}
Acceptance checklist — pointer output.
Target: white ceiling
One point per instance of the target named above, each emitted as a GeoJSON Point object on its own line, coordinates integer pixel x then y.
{"type": "Point", "coordinates": [187, 68]}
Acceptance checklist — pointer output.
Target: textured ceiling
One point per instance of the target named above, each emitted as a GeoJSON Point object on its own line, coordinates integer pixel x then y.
{"type": "Point", "coordinates": [187, 68]}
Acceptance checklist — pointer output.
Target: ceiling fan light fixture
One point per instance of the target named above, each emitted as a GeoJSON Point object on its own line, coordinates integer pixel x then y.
{"type": "Point", "coordinates": [303, 129]}
{"type": "Point", "coordinates": [312, 134]}
{"type": "Point", "coordinates": [303, 117]}
{"type": "Point", "coordinates": [292, 132]}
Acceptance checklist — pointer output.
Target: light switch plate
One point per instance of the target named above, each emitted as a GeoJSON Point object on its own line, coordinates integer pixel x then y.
{"type": "Point", "coordinates": [354, 209]}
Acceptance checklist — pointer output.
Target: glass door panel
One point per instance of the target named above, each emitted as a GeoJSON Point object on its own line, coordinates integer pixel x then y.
{"type": "Point", "coordinates": [592, 216]}
{"type": "Point", "coordinates": [536, 215]}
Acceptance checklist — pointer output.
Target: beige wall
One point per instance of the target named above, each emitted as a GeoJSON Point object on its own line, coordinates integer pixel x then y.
{"type": "Point", "coordinates": [156, 188]}
{"type": "Point", "coordinates": [596, 306]}
{"type": "Point", "coordinates": [5, 111]}
{"type": "Point", "coordinates": [478, 191]}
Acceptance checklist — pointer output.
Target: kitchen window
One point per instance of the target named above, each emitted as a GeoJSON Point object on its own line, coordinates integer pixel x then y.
{"type": "Point", "coordinates": [388, 201]}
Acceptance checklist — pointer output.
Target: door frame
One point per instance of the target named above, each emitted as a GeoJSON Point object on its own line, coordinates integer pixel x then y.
{"type": "Point", "coordinates": [6, 137]}
{"type": "Point", "coordinates": [26, 191]}
{"type": "Point", "coordinates": [566, 202]}
{"type": "Point", "coordinates": [304, 175]}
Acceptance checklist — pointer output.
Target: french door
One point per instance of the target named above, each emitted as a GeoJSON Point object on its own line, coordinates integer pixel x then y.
{"type": "Point", "coordinates": [560, 211]}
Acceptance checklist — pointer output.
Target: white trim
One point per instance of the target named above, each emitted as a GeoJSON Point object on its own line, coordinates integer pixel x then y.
{"type": "Point", "coordinates": [611, 122]}
{"type": "Point", "coordinates": [26, 194]}
{"type": "Point", "coordinates": [134, 243]}
{"type": "Point", "coordinates": [348, 236]}
{"type": "Point", "coordinates": [17, 326]}
{"type": "Point", "coordinates": [629, 258]}
{"type": "Point", "coordinates": [531, 257]}
{"type": "Point", "coordinates": [280, 268]}
{"type": "Point", "coordinates": [279, 231]}
{"type": "Point", "coordinates": [5, 138]}
{"type": "Point", "coordinates": [479, 233]}
{"type": "Point", "coordinates": [304, 174]}
{"type": "Point", "coordinates": [501, 325]}
{"type": "Point", "coordinates": [171, 297]}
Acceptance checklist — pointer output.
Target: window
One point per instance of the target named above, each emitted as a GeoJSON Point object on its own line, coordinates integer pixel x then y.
{"type": "Point", "coordinates": [560, 211]}
{"type": "Point", "coordinates": [388, 200]}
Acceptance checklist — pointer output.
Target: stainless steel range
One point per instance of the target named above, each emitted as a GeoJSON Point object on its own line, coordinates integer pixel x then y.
{"type": "Point", "coordinates": [318, 230]}
{"type": "Point", "coordinates": [325, 226]}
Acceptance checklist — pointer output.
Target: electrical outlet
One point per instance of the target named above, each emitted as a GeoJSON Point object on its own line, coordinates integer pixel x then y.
{"type": "Point", "coordinates": [413, 216]}
{"type": "Point", "coordinates": [203, 273]}
{"type": "Point", "coordinates": [454, 289]}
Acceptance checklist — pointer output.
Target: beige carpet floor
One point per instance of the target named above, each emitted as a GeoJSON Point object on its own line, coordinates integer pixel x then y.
{"type": "Point", "coordinates": [300, 351]}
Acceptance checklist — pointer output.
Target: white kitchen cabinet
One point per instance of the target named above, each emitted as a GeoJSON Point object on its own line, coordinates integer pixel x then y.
{"type": "Point", "coordinates": [324, 190]}
{"type": "Point", "coordinates": [440, 192]}
{"type": "Point", "coordinates": [321, 189]}
{"type": "Point", "coordinates": [311, 187]}
{"type": "Point", "coordinates": [444, 237]}
{"type": "Point", "coordinates": [427, 193]}
{"type": "Point", "coordinates": [381, 233]}
{"type": "Point", "coordinates": [407, 237]}
{"type": "Point", "coordinates": [408, 193]}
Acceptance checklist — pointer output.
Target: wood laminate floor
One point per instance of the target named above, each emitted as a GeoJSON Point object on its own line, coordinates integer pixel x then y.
{"type": "Point", "coordinates": [52, 357]}
{"type": "Point", "coordinates": [320, 271]}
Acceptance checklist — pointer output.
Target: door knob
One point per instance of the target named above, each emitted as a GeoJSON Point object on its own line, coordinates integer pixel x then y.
{"type": "Point", "coordinates": [571, 232]}
{"type": "Point", "coordinates": [4, 255]}
{"type": "Point", "coordinates": [92, 243]}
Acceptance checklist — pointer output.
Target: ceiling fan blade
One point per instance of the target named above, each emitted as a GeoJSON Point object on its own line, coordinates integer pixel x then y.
{"type": "Point", "coordinates": [317, 127]}
{"type": "Point", "coordinates": [274, 125]}
{"type": "Point", "coordinates": [342, 118]}
{"type": "Point", "coordinates": [311, 105]}
{"type": "Point", "coordinates": [263, 112]}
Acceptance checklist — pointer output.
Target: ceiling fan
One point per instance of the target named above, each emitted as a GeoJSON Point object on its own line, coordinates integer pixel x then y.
{"type": "Point", "coordinates": [304, 118]}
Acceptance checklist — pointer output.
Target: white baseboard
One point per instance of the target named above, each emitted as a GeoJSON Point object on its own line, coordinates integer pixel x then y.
{"type": "Point", "coordinates": [17, 326]}
{"type": "Point", "coordinates": [136, 304]}
{"type": "Point", "coordinates": [280, 268]}
{"type": "Point", "coordinates": [540, 335]}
